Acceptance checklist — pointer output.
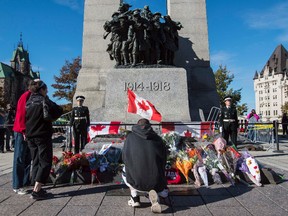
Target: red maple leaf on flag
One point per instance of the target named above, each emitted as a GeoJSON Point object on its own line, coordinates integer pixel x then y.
{"type": "Point", "coordinates": [143, 106]}
{"type": "Point", "coordinates": [187, 134]}
{"type": "Point", "coordinates": [98, 127]}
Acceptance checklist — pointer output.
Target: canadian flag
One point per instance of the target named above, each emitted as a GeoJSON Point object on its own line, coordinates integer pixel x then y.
{"type": "Point", "coordinates": [142, 107]}
{"type": "Point", "coordinates": [102, 128]}
{"type": "Point", "coordinates": [195, 129]}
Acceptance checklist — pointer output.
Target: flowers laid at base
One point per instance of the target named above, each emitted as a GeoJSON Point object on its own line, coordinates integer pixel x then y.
{"type": "Point", "coordinates": [75, 165]}
{"type": "Point", "coordinates": [196, 158]}
{"type": "Point", "coordinates": [190, 160]}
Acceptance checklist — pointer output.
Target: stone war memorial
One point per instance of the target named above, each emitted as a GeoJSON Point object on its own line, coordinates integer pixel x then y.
{"type": "Point", "coordinates": [163, 58]}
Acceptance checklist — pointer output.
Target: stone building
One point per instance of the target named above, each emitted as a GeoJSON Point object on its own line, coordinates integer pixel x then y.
{"type": "Point", "coordinates": [14, 78]}
{"type": "Point", "coordinates": [271, 85]}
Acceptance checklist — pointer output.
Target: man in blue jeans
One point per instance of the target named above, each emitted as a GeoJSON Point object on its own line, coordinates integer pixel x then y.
{"type": "Point", "coordinates": [21, 164]}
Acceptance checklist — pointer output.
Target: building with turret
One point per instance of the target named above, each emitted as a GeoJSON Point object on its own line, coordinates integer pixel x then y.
{"type": "Point", "coordinates": [14, 78]}
{"type": "Point", "coordinates": [271, 85]}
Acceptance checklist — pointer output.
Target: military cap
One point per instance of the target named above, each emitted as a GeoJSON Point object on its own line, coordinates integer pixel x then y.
{"type": "Point", "coordinates": [80, 97]}
{"type": "Point", "coordinates": [157, 13]}
{"type": "Point", "coordinates": [115, 14]}
{"type": "Point", "coordinates": [125, 4]}
{"type": "Point", "coordinates": [136, 12]}
{"type": "Point", "coordinates": [146, 7]}
{"type": "Point", "coordinates": [227, 98]}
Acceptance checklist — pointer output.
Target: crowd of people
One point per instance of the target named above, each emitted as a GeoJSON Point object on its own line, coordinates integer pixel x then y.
{"type": "Point", "coordinates": [6, 132]}
{"type": "Point", "coordinates": [33, 150]}
{"type": "Point", "coordinates": [33, 130]}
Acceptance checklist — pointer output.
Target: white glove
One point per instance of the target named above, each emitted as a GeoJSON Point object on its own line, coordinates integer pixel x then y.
{"type": "Point", "coordinates": [220, 129]}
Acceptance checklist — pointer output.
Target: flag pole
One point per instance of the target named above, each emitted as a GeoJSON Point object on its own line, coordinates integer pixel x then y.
{"type": "Point", "coordinates": [126, 106]}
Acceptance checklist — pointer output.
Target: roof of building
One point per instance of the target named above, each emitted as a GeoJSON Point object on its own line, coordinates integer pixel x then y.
{"type": "Point", "coordinates": [277, 61]}
{"type": "Point", "coordinates": [256, 75]}
{"type": "Point", "coordinates": [5, 70]}
{"type": "Point", "coordinates": [34, 75]}
{"type": "Point", "coordinates": [23, 54]}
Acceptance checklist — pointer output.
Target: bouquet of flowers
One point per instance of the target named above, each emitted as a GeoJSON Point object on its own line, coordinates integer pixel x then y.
{"type": "Point", "coordinates": [219, 144]}
{"type": "Point", "coordinates": [212, 161]}
{"type": "Point", "coordinates": [172, 141]}
{"type": "Point", "coordinates": [184, 165]}
{"type": "Point", "coordinates": [67, 162]}
{"type": "Point", "coordinates": [60, 165]}
{"type": "Point", "coordinates": [98, 161]}
{"type": "Point", "coordinates": [94, 163]}
{"type": "Point", "coordinates": [249, 165]}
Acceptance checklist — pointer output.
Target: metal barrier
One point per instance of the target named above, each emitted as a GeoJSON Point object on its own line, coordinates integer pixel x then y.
{"type": "Point", "coordinates": [185, 129]}
{"type": "Point", "coordinates": [214, 114]}
{"type": "Point", "coordinates": [259, 133]}
{"type": "Point", "coordinates": [264, 132]}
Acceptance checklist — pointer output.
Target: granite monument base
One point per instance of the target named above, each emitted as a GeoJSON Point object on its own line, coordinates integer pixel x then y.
{"type": "Point", "coordinates": [166, 88]}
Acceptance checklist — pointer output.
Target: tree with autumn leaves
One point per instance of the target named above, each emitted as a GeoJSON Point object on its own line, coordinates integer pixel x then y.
{"type": "Point", "coordinates": [66, 82]}
{"type": "Point", "coordinates": [223, 79]}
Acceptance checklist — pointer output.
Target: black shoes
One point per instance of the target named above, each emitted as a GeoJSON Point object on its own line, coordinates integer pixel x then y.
{"type": "Point", "coordinates": [40, 195]}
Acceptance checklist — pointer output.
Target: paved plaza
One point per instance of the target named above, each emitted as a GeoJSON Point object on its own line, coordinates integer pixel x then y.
{"type": "Point", "coordinates": [108, 199]}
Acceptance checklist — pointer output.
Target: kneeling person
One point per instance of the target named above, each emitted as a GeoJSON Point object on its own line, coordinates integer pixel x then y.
{"type": "Point", "coordinates": [144, 156]}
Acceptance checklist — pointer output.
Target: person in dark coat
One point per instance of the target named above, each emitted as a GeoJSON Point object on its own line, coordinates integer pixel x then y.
{"type": "Point", "coordinates": [80, 121]}
{"type": "Point", "coordinates": [22, 156]}
{"type": "Point", "coordinates": [2, 130]}
{"type": "Point", "coordinates": [9, 121]}
{"type": "Point", "coordinates": [228, 121]}
{"type": "Point", "coordinates": [40, 112]}
{"type": "Point", "coordinates": [144, 156]}
{"type": "Point", "coordinates": [284, 124]}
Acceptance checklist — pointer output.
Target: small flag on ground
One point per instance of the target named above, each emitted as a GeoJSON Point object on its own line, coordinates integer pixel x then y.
{"type": "Point", "coordinates": [102, 128]}
{"type": "Point", "coordinates": [196, 129]}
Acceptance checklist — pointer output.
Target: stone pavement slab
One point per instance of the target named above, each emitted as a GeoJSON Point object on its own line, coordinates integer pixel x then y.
{"type": "Point", "coordinates": [92, 200]}
{"type": "Point", "coordinates": [6, 161]}
{"type": "Point", "coordinates": [231, 210]}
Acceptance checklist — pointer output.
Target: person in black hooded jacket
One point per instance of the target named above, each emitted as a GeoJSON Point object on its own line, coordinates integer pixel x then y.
{"type": "Point", "coordinates": [40, 112]}
{"type": "Point", "coordinates": [144, 156]}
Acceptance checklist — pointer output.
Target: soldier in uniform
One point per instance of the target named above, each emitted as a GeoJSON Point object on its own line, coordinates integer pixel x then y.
{"type": "Point", "coordinates": [229, 121]}
{"type": "Point", "coordinates": [80, 121]}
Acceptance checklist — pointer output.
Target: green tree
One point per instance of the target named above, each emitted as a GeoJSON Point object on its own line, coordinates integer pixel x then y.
{"type": "Point", "coordinates": [223, 79]}
{"type": "Point", "coordinates": [66, 82]}
{"type": "Point", "coordinates": [242, 109]}
{"type": "Point", "coordinates": [284, 108]}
